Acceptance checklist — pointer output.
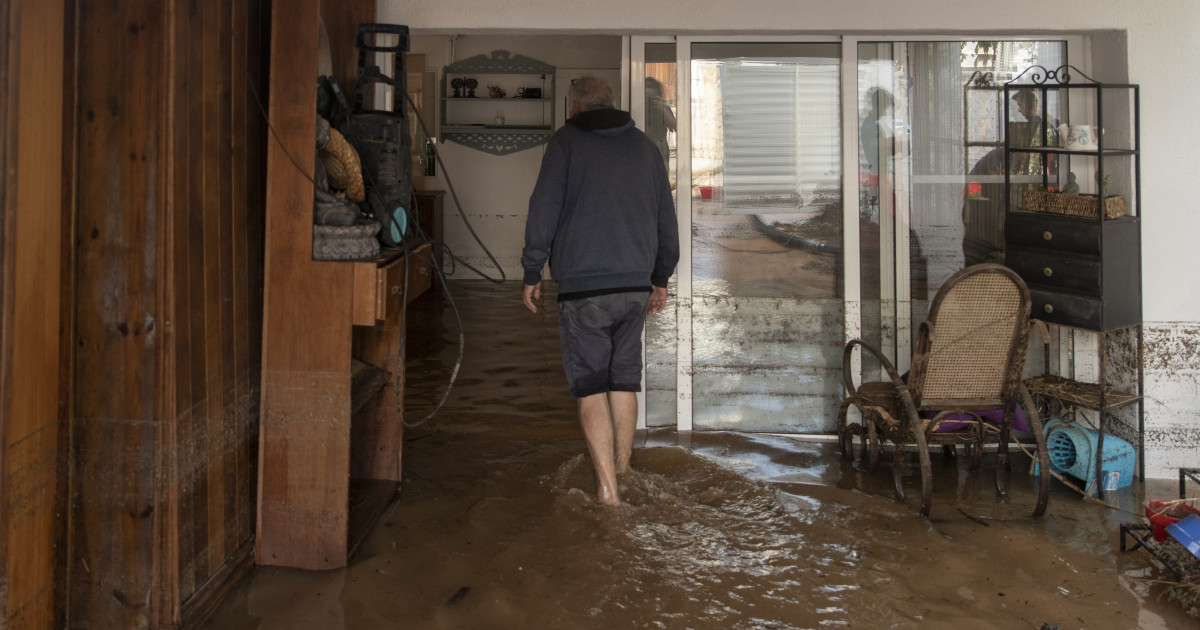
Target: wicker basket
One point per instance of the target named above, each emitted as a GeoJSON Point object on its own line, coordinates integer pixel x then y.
{"type": "Point", "coordinates": [1073, 205]}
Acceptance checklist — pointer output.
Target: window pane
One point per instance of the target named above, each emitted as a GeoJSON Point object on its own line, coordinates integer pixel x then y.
{"type": "Point", "coordinates": [661, 330]}
{"type": "Point", "coordinates": [766, 236]}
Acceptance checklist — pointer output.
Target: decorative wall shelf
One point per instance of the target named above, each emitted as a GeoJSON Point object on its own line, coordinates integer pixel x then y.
{"type": "Point", "coordinates": [503, 125]}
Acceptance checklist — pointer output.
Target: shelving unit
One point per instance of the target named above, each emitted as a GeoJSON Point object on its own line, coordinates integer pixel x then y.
{"type": "Point", "coordinates": [503, 125]}
{"type": "Point", "coordinates": [1083, 268]}
{"type": "Point", "coordinates": [330, 430]}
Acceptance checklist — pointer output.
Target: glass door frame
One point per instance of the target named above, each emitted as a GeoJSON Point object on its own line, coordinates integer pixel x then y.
{"type": "Point", "coordinates": [633, 71]}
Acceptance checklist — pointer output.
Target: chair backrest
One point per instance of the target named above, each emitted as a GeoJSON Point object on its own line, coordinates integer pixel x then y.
{"type": "Point", "coordinates": [971, 350]}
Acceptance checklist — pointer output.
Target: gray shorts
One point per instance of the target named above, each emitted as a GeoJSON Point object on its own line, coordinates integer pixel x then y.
{"type": "Point", "coordinates": [602, 342]}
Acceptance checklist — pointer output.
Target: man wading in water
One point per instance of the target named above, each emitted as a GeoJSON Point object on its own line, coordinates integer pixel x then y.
{"type": "Point", "coordinates": [602, 214]}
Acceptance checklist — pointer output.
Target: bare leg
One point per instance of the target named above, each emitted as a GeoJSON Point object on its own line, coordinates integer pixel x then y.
{"type": "Point", "coordinates": [596, 420]}
{"type": "Point", "coordinates": [624, 409]}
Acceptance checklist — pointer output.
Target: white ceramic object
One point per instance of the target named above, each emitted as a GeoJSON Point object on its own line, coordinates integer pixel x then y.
{"type": "Point", "coordinates": [1078, 137]}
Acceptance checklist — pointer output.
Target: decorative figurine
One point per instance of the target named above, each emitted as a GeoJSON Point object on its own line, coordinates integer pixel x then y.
{"type": "Point", "coordinates": [495, 91]}
{"type": "Point", "coordinates": [457, 84]}
{"type": "Point", "coordinates": [471, 85]}
{"type": "Point", "coordinates": [1072, 187]}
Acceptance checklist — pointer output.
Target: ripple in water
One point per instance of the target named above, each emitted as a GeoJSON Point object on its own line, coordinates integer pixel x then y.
{"type": "Point", "coordinates": [695, 541]}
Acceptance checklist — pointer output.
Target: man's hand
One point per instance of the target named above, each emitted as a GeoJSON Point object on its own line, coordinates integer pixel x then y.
{"type": "Point", "coordinates": [532, 292]}
{"type": "Point", "coordinates": [658, 300]}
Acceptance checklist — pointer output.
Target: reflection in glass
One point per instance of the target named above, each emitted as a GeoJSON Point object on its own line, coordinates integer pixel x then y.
{"type": "Point", "coordinates": [933, 169]}
{"type": "Point", "coordinates": [766, 236]}
{"type": "Point", "coordinates": [661, 329]}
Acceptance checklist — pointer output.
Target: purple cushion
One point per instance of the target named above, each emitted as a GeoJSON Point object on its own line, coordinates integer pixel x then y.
{"type": "Point", "coordinates": [994, 416]}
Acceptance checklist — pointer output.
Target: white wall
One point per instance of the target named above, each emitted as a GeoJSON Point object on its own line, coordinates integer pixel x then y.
{"type": "Point", "coordinates": [494, 190]}
{"type": "Point", "coordinates": [1148, 42]}
{"type": "Point", "coordinates": [1159, 34]}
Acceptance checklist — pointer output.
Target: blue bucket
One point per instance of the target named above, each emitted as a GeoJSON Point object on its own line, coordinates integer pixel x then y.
{"type": "Point", "coordinates": [1072, 451]}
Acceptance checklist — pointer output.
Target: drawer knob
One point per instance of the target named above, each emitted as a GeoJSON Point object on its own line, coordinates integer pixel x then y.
{"type": "Point", "coordinates": [1047, 235]}
{"type": "Point", "coordinates": [1049, 308]}
{"type": "Point", "coordinates": [1047, 272]}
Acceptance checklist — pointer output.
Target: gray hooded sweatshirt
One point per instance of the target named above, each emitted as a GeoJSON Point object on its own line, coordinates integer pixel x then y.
{"type": "Point", "coordinates": [601, 211]}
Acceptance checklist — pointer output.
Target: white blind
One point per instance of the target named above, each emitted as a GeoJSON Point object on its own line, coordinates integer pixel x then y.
{"type": "Point", "coordinates": [782, 136]}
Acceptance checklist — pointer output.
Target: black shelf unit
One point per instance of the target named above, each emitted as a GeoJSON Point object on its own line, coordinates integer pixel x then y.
{"type": "Point", "coordinates": [1083, 272]}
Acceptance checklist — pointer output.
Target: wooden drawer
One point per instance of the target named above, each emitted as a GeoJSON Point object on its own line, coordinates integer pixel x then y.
{"type": "Point", "coordinates": [1055, 232]}
{"type": "Point", "coordinates": [379, 286]}
{"type": "Point", "coordinates": [1082, 311]}
{"type": "Point", "coordinates": [1072, 272]}
{"type": "Point", "coordinates": [1066, 309]}
{"type": "Point", "coordinates": [391, 288]}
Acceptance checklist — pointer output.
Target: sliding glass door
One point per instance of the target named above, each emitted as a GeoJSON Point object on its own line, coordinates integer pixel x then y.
{"type": "Point", "coordinates": [931, 194]}
{"type": "Point", "coordinates": [825, 190]}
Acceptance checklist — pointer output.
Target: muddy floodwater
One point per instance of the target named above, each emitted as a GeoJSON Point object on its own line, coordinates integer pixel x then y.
{"type": "Point", "coordinates": [496, 526]}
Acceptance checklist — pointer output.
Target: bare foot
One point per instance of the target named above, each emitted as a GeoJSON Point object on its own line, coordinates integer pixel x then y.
{"type": "Point", "coordinates": [607, 496]}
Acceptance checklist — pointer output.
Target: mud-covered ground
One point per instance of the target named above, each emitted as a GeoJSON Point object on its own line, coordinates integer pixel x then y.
{"type": "Point", "coordinates": [496, 526]}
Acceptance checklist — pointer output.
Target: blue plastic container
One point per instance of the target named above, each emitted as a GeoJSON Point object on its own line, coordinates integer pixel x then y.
{"type": "Point", "coordinates": [1187, 532]}
{"type": "Point", "coordinates": [1072, 451]}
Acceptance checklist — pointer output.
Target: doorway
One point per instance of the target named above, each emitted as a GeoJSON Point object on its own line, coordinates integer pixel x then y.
{"type": "Point", "coordinates": [755, 341]}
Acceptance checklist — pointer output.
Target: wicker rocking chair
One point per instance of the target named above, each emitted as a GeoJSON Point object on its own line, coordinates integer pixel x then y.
{"type": "Point", "coordinates": [967, 365]}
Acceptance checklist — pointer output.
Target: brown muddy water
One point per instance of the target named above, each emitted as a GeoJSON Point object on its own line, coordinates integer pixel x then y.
{"type": "Point", "coordinates": [496, 526]}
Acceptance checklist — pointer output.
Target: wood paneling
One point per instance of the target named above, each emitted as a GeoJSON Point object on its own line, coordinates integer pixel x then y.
{"type": "Point", "coordinates": [304, 453]}
{"type": "Point", "coordinates": [168, 306]}
{"type": "Point", "coordinates": [33, 64]}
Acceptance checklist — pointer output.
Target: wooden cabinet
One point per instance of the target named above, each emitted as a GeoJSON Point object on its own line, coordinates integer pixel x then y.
{"type": "Point", "coordinates": [431, 219]}
{"type": "Point", "coordinates": [331, 427]}
{"type": "Point", "coordinates": [1080, 273]}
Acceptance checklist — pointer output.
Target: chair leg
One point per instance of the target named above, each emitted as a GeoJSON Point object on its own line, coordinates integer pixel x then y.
{"type": "Point", "coordinates": [872, 447]}
{"type": "Point", "coordinates": [926, 476]}
{"type": "Point", "coordinates": [1043, 455]}
{"type": "Point", "coordinates": [1002, 465]}
{"type": "Point", "coordinates": [898, 470]}
{"type": "Point", "coordinates": [842, 428]}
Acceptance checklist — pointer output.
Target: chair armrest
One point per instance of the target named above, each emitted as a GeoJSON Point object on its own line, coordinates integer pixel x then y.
{"type": "Point", "coordinates": [901, 387]}
{"type": "Point", "coordinates": [847, 360]}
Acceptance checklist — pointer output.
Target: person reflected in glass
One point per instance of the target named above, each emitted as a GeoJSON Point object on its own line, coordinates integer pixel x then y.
{"type": "Point", "coordinates": [876, 136]}
{"type": "Point", "coordinates": [660, 119]}
{"type": "Point", "coordinates": [877, 132]}
{"type": "Point", "coordinates": [1035, 133]}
